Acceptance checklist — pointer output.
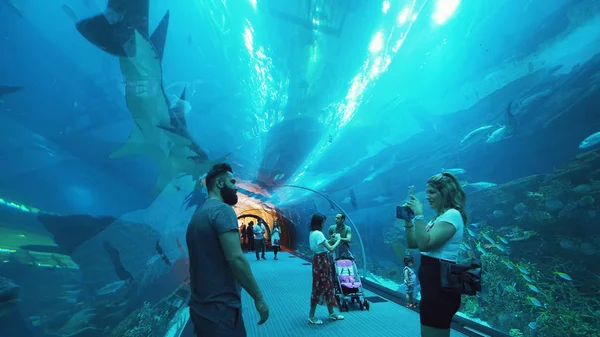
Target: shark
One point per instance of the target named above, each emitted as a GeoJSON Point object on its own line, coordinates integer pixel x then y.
{"type": "Point", "coordinates": [5, 90]}
{"type": "Point", "coordinates": [69, 231]}
{"type": "Point", "coordinates": [160, 130]}
{"type": "Point", "coordinates": [12, 7]}
{"type": "Point", "coordinates": [507, 130]}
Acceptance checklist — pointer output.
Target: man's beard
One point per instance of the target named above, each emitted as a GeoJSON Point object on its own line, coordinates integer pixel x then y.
{"type": "Point", "coordinates": [229, 196]}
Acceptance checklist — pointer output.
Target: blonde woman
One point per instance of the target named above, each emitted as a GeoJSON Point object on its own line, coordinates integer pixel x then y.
{"type": "Point", "coordinates": [438, 240]}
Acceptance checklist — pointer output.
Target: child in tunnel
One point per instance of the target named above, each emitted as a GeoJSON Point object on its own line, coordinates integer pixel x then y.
{"type": "Point", "coordinates": [410, 278]}
{"type": "Point", "coordinates": [322, 282]}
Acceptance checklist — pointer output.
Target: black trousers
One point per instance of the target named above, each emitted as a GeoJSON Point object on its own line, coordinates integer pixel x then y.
{"type": "Point", "coordinates": [230, 324]}
{"type": "Point", "coordinates": [259, 244]}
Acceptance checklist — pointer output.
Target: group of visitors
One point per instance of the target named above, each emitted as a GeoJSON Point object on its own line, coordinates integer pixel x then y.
{"type": "Point", "coordinates": [214, 244]}
{"type": "Point", "coordinates": [253, 236]}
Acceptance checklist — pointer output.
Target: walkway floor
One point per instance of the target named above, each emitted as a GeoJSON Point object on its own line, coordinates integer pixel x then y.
{"type": "Point", "coordinates": [286, 285]}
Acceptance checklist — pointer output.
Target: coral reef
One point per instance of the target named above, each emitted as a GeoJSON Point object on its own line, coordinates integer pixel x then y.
{"type": "Point", "coordinates": [543, 280]}
{"type": "Point", "coordinates": [146, 321]}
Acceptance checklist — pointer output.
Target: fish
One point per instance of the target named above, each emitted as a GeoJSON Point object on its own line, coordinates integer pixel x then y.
{"type": "Point", "coordinates": [534, 301]}
{"type": "Point", "coordinates": [527, 278]}
{"type": "Point", "coordinates": [353, 199]}
{"type": "Point", "coordinates": [111, 287]}
{"type": "Point", "coordinates": [113, 30]}
{"type": "Point", "coordinates": [480, 249]}
{"type": "Point", "coordinates": [490, 240]}
{"type": "Point", "coordinates": [482, 185]}
{"type": "Point", "coordinates": [591, 140]}
{"type": "Point", "coordinates": [563, 276]}
{"type": "Point", "coordinates": [6, 90]}
{"type": "Point", "coordinates": [475, 224]}
{"type": "Point", "coordinates": [476, 132]}
{"type": "Point", "coordinates": [471, 233]}
{"type": "Point", "coordinates": [160, 131]}
{"type": "Point", "coordinates": [454, 171]}
{"type": "Point", "coordinates": [505, 131]}
{"type": "Point", "coordinates": [508, 264]}
{"type": "Point", "coordinates": [13, 8]}
{"type": "Point", "coordinates": [69, 231]}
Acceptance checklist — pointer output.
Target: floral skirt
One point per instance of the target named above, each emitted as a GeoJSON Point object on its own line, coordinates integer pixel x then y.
{"type": "Point", "coordinates": [322, 284]}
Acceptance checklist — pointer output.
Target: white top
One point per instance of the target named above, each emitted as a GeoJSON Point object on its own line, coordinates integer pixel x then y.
{"type": "Point", "coordinates": [259, 231]}
{"type": "Point", "coordinates": [412, 276]}
{"type": "Point", "coordinates": [275, 236]}
{"type": "Point", "coordinates": [449, 250]}
{"type": "Point", "coordinates": [316, 240]}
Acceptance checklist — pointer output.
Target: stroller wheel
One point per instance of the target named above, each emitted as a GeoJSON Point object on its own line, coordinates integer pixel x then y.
{"type": "Point", "coordinates": [367, 305]}
{"type": "Point", "coordinates": [362, 306]}
{"type": "Point", "coordinates": [345, 306]}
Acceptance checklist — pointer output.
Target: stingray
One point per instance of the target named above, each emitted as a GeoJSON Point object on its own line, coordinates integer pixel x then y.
{"type": "Point", "coordinates": [70, 231]}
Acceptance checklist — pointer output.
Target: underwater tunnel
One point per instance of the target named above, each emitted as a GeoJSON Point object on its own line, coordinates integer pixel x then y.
{"type": "Point", "coordinates": [112, 114]}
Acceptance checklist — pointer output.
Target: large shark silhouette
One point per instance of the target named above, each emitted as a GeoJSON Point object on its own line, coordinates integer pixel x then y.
{"type": "Point", "coordinates": [160, 130]}
{"type": "Point", "coordinates": [5, 90]}
{"type": "Point", "coordinates": [70, 231]}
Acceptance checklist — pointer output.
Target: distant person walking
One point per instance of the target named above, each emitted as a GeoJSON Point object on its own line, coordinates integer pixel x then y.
{"type": "Point", "coordinates": [259, 240]}
{"type": "Point", "coordinates": [275, 239]}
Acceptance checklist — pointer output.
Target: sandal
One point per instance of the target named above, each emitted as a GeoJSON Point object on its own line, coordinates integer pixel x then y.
{"type": "Point", "coordinates": [336, 317]}
{"type": "Point", "coordinates": [314, 320]}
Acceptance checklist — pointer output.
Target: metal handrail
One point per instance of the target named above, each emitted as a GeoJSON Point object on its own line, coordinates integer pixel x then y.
{"type": "Point", "coordinates": [362, 247]}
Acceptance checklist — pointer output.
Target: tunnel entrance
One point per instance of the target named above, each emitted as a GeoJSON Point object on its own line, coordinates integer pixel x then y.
{"type": "Point", "coordinates": [286, 227]}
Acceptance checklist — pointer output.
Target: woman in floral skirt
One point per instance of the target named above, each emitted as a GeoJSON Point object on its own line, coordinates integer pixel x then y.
{"type": "Point", "coordinates": [322, 286]}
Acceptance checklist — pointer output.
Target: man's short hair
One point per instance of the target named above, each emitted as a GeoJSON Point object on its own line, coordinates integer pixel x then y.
{"type": "Point", "coordinates": [215, 172]}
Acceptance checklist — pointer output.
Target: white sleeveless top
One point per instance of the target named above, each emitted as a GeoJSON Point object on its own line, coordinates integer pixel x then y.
{"type": "Point", "coordinates": [448, 251]}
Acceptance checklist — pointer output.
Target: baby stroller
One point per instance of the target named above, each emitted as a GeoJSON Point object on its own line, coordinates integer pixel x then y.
{"type": "Point", "coordinates": [348, 288]}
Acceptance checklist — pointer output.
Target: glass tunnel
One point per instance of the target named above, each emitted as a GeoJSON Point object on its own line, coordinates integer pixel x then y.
{"type": "Point", "coordinates": [112, 113]}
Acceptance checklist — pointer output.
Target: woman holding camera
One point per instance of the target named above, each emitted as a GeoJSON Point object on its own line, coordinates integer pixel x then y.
{"type": "Point", "coordinates": [438, 241]}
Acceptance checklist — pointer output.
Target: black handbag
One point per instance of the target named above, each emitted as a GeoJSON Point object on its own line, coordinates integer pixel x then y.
{"type": "Point", "coordinates": [463, 279]}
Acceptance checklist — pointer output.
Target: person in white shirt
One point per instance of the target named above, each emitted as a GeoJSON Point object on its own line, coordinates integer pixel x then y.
{"type": "Point", "coordinates": [259, 240]}
{"type": "Point", "coordinates": [322, 286]}
{"type": "Point", "coordinates": [438, 240]}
